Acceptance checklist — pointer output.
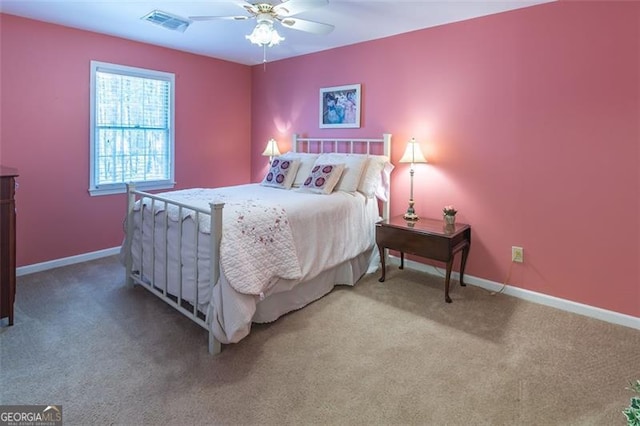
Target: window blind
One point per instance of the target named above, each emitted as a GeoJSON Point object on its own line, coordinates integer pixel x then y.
{"type": "Point", "coordinates": [132, 128]}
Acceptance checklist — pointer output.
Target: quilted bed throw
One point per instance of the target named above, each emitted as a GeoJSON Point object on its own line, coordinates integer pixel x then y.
{"type": "Point", "coordinates": [257, 247]}
{"type": "Point", "coordinates": [257, 244]}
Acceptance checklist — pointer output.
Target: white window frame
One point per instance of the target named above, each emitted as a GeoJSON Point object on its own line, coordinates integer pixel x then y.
{"type": "Point", "coordinates": [118, 188]}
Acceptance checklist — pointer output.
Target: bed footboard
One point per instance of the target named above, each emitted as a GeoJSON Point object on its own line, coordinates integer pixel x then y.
{"type": "Point", "coordinates": [135, 274]}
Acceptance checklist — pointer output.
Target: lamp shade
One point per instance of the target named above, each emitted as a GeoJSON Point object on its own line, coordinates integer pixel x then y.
{"type": "Point", "coordinates": [413, 153]}
{"type": "Point", "coordinates": [271, 149]}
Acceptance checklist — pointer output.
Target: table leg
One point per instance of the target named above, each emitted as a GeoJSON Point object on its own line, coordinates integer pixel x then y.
{"type": "Point", "coordinates": [382, 261]}
{"type": "Point", "coordinates": [401, 260]}
{"type": "Point", "coordinates": [447, 280]}
{"type": "Point", "coordinates": [463, 263]}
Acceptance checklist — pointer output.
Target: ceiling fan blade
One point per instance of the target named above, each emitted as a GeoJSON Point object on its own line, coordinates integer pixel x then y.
{"type": "Point", "coordinates": [308, 26]}
{"type": "Point", "coordinates": [213, 18]}
{"type": "Point", "coordinates": [252, 9]}
{"type": "Point", "coordinates": [293, 7]}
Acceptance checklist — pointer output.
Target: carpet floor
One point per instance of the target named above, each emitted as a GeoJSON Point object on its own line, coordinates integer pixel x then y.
{"type": "Point", "coordinates": [377, 353]}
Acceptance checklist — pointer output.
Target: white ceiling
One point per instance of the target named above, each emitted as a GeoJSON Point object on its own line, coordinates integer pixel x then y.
{"type": "Point", "coordinates": [354, 20]}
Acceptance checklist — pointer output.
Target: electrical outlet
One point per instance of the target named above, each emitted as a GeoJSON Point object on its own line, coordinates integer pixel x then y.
{"type": "Point", "coordinates": [517, 254]}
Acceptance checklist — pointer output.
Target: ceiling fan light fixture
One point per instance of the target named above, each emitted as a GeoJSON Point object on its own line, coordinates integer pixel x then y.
{"type": "Point", "coordinates": [264, 34]}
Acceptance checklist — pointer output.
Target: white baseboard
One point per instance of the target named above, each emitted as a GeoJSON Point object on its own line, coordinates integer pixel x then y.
{"type": "Point", "coordinates": [531, 296]}
{"type": "Point", "coordinates": [65, 261]}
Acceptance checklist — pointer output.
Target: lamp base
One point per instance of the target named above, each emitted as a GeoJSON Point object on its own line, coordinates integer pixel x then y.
{"type": "Point", "coordinates": [410, 213]}
{"type": "Point", "coordinates": [410, 216]}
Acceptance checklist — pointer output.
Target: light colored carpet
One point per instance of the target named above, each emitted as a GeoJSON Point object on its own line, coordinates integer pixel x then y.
{"type": "Point", "coordinates": [379, 353]}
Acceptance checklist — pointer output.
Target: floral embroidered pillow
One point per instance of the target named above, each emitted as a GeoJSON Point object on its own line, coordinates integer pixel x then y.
{"type": "Point", "coordinates": [354, 165]}
{"type": "Point", "coordinates": [323, 178]}
{"type": "Point", "coordinates": [307, 161]}
{"type": "Point", "coordinates": [281, 173]}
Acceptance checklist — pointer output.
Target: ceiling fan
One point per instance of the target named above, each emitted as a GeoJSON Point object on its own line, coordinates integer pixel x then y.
{"type": "Point", "coordinates": [266, 14]}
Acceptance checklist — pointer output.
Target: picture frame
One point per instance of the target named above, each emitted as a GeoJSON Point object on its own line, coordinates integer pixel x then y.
{"type": "Point", "coordinates": [340, 107]}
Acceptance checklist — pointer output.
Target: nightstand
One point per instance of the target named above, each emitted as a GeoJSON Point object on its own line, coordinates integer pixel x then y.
{"type": "Point", "coordinates": [429, 238]}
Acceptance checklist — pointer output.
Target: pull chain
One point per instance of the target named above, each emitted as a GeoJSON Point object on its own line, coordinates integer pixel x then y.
{"type": "Point", "coordinates": [264, 57]}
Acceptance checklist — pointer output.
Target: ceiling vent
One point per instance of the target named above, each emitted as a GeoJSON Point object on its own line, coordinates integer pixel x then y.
{"type": "Point", "coordinates": [167, 20]}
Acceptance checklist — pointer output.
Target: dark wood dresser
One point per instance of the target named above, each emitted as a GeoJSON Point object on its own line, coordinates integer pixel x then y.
{"type": "Point", "coordinates": [7, 242]}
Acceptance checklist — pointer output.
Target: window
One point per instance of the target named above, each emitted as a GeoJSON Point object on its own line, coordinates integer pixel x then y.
{"type": "Point", "coordinates": [132, 128]}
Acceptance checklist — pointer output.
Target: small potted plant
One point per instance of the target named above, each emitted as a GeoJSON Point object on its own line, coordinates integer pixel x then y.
{"type": "Point", "coordinates": [632, 412]}
{"type": "Point", "coordinates": [449, 215]}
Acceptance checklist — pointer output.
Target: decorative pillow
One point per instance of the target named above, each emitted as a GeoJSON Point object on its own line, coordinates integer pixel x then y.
{"type": "Point", "coordinates": [307, 160]}
{"type": "Point", "coordinates": [354, 165]}
{"type": "Point", "coordinates": [323, 178]}
{"type": "Point", "coordinates": [281, 173]}
{"type": "Point", "coordinates": [372, 176]}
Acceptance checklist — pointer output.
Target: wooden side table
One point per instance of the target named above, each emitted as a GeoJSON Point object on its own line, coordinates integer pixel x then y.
{"type": "Point", "coordinates": [429, 238]}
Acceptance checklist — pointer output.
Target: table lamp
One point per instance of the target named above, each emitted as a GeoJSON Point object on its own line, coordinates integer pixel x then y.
{"type": "Point", "coordinates": [413, 154]}
{"type": "Point", "coordinates": [271, 150]}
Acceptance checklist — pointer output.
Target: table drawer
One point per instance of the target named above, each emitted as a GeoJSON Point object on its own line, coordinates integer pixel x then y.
{"type": "Point", "coordinates": [434, 247]}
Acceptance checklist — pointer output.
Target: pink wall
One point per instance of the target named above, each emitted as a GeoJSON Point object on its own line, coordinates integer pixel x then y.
{"type": "Point", "coordinates": [44, 132]}
{"type": "Point", "coordinates": [531, 122]}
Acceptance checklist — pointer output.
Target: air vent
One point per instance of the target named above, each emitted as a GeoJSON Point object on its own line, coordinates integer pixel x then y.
{"type": "Point", "coordinates": [167, 20]}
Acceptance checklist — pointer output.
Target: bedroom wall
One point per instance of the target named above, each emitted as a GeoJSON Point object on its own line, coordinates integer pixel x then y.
{"type": "Point", "coordinates": [530, 120]}
{"type": "Point", "coordinates": [44, 130]}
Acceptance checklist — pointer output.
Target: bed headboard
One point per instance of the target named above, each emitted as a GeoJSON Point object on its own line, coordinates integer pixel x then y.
{"type": "Point", "coordinates": [371, 146]}
{"type": "Point", "coordinates": [356, 146]}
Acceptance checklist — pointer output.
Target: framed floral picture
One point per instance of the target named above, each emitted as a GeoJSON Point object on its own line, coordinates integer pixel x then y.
{"type": "Point", "coordinates": [340, 107]}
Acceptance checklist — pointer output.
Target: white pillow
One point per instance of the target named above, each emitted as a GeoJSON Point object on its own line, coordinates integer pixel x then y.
{"type": "Point", "coordinates": [307, 160]}
{"type": "Point", "coordinates": [354, 165]}
{"type": "Point", "coordinates": [281, 173]}
{"type": "Point", "coordinates": [323, 178]}
{"type": "Point", "coordinates": [384, 188]}
{"type": "Point", "coordinates": [372, 177]}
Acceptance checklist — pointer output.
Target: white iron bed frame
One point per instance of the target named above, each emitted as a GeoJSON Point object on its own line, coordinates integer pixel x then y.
{"type": "Point", "coordinates": [190, 310]}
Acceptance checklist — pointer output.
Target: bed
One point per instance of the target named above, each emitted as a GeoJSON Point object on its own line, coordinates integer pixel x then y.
{"type": "Point", "coordinates": [229, 257]}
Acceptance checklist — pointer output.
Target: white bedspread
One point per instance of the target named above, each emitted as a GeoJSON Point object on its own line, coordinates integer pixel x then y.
{"type": "Point", "coordinates": [325, 231]}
